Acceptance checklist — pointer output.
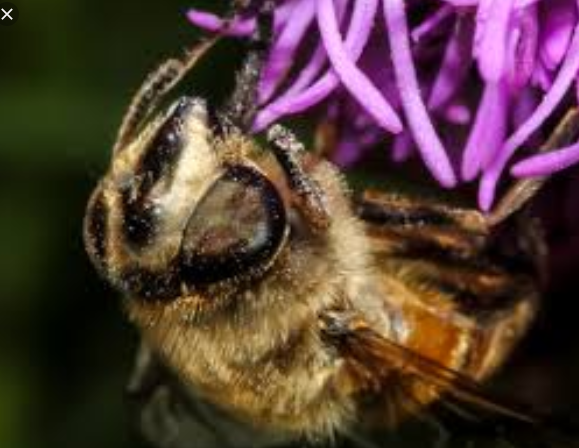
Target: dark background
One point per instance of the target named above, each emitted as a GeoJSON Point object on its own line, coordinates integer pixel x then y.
{"type": "Point", "coordinates": [67, 70]}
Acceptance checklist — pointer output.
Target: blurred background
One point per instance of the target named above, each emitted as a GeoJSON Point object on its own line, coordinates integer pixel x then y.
{"type": "Point", "coordinates": [67, 71]}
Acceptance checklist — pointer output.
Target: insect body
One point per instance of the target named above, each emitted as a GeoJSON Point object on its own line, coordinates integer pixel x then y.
{"type": "Point", "coordinates": [258, 280]}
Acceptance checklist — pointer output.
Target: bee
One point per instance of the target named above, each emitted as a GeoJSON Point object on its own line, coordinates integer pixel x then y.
{"type": "Point", "coordinates": [265, 290]}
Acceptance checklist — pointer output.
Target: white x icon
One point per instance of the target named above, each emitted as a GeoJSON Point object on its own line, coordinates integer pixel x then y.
{"type": "Point", "coordinates": [7, 13]}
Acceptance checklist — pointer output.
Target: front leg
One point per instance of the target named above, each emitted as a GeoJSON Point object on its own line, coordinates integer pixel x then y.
{"type": "Point", "coordinates": [413, 226]}
{"type": "Point", "coordinates": [289, 152]}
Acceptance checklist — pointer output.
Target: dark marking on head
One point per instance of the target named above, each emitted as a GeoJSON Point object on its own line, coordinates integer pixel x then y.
{"type": "Point", "coordinates": [139, 224]}
{"type": "Point", "coordinates": [162, 153]}
{"type": "Point", "coordinates": [156, 164]}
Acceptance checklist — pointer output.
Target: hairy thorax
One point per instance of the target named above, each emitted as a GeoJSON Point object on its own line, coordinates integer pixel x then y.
{"type": "Point", "coordinates": [261, 355]}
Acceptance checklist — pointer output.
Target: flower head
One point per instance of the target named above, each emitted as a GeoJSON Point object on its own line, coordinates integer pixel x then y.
{"type": "Point", "coordinates": [465, 84]}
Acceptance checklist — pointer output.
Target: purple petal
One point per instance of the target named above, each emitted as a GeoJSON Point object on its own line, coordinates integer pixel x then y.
{"type": "Point", "coordinates": [432, 23]}
{"type": "Point", "coordinates": [427, 141]}
{"type": "Point", "coordinates": [494, 38]}
{"type": "Point", "coordinates": [455, 65]}
{"type": "Point", "coordinates": [524, 3]}
{"type": "Point", "coordinates": [354, 80]}
{"type": "Point", "coordinates": [521, 4]}
{"type": "Point", "coordinates": [237, 27]}
{"type": "Point", "coordinates": [541, 77]}
{"type": "Point", "coordinates": [488, 132]}
{"type": "Point", "coordinates": [522, 48]}
{"type": "Point", "coordinates": [460, 3]}
{"type": "Point", "coordinates": [317, 61]}
{"type": "Point", "coordinates": [402, 147]}
{"type": "Point", "coordinates": [296, 100]}
{"type": "Point", "coordinates": [308, 73]}
{"type": "Point", "coordinates": [282, 52]}
{"type": "Point", "coordinates": [481, 19]}
{"type": "Point", "coordinates": [213, 23]}
{"type": "Point", "coordinates": [463, 3]}
{"type": "Point", "coordinates": [457, 113]}
{"type": "Point", "coordinates": [356, 39]}
{"type": "Point", "coordinates": [552, 98]}
{"type": "Point", "coordinates": [524, 105]}
{"type": "Point", "coordinates": [545, 164]}
{"type": "Point", "coordinates": [557, 28]}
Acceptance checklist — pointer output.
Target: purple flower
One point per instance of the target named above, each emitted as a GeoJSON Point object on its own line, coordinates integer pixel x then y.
{"type": "Point", "coordinates": [467, 85]}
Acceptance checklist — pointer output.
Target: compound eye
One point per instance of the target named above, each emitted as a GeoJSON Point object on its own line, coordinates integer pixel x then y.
{"type": "Point", "coordinates": [238, 226]}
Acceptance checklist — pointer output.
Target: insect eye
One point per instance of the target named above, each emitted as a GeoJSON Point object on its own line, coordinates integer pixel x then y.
{"type": "Point", "coordinates": [239, 225]}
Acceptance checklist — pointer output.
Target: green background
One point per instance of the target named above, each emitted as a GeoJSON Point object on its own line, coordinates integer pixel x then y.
{"type": "Point", "coordinates": [67, 71]}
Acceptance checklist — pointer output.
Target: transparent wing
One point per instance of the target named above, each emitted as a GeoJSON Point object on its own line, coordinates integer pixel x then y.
{"type": "Point", "coordinates": [483, 418]}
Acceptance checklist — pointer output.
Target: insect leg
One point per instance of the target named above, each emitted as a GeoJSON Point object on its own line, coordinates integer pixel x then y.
{"type": "Point", "coordinates": [242, 107]}
{"type": "Point", "coordinates": [451, 252]}
{"type": "Point", "coordinates": [399, 211]}
{"type": "Point", "coordinates": [289, 151]}
{"type": "Point", "coordinates": [519, 194]}
{"type": "Point", "coordinates": [409, 225]}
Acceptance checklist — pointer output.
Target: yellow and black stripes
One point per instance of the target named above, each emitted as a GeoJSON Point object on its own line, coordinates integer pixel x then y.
{"type": "Point", "coordinates": [450, 254]}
